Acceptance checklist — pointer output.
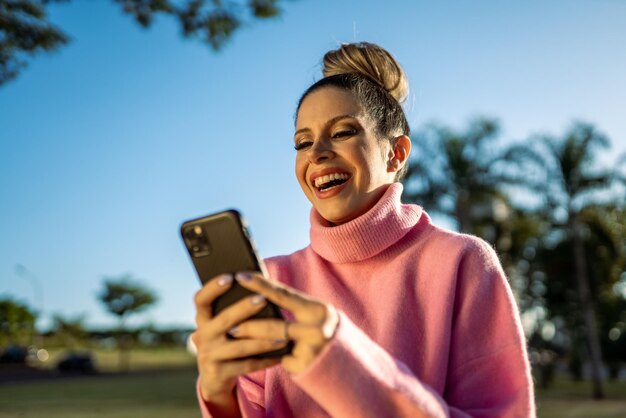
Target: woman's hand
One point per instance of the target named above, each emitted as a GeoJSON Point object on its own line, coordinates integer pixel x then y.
{"type": "Point", "coordinates": [313, 326]}
{"type": "Point", "coordinates": [219, 358]}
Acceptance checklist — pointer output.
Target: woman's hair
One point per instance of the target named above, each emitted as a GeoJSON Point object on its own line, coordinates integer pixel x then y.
{"type": "Point", "coordinates": [376, 80]}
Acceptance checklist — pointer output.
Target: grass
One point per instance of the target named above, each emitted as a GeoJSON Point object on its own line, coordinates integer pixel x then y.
{"type": "Point", "coordinates": [571, 399]}
{"type": "Point", "coordinates": [107, 360]}
{"type": "Point", "coordinates": [162, 384]}
{"type": "Point", "coordinates": [169, 393]}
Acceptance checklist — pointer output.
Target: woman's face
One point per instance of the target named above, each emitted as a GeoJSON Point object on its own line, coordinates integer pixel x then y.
{"type": "Point", "coordinates": [341, 164]}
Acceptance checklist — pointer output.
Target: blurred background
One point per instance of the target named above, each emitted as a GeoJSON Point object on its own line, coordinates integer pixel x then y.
{"type": "Point", "coordinates": [121, 119]}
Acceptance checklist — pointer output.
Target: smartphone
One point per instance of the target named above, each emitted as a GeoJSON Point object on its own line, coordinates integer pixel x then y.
{"type": "Point", "coordinates": [221, 244]}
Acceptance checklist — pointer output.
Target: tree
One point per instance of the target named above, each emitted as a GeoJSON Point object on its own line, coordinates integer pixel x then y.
{"type": "Point", "coordinates": [25, 30]}
{"type": "Point", "coordinates": [17, 322]}
{"type": "Point", "coordinates": [123, 296]}
{"type": "Point", "coordinates": [605, 243]}
{"type": "Point", "coordinates": [69, 331]}
{"type": "Point", "coordinates": [452, 173]}
{"type": "Point", "coordinates": [567, 185]}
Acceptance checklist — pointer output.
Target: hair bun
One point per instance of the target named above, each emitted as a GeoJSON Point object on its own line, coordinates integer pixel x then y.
{"type": "Point", "coordinates": [370, 60]}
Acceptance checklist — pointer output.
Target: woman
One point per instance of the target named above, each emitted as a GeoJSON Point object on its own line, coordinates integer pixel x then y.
{"type": "Point", "coordinates": [390, 315]}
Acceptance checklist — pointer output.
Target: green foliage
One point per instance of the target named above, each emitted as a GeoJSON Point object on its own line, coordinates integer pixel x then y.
{"type": "Point", "coordinates": [563, 245]}
{"type": "Point", "coordinates": [17, 322]}
{"type": "Point", "coordinates": [25, 30]}
{"type": "Point", "coordinates": [452, 173]}
{"type": "Point", "coordinates": [566, 168]}
{"type": "Point", "coordinates": [123, 296]}
{"type": "Point", "coordinates": [70, 332]}
{"type": "Point", "coordinates": [582, 252]}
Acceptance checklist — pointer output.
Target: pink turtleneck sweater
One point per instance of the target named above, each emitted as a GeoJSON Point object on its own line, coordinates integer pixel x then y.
{"type": "Point", "coordinates": [428, 325]}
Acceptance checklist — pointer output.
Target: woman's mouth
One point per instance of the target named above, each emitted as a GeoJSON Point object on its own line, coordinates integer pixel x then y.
{"type": "Point", "coordinates": [331, 184]}
{"type": "Point", "coordinates": [331, 181]}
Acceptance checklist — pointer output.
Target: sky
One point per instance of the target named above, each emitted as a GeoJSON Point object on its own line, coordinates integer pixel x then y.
{"type": "Point", "coordinates": [109, 144]}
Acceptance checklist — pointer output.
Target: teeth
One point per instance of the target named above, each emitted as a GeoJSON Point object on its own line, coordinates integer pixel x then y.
{"type": "Point", "coordinates": [320, 181]}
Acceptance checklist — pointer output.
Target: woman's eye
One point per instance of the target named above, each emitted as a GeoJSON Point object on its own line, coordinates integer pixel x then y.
{"type": "Point", "coordinates": [343, 133]}
{"type": "Point", "coordinates": [302, 145]}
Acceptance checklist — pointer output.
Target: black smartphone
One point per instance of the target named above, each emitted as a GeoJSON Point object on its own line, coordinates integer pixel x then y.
{"type": "Point", "coordinates": [221, 244]}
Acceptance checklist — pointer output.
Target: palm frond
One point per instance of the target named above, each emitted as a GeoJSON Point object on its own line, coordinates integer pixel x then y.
{"type": "Point", "coordinates": [590, 137]}
{"type": "Point", "coordinates": [482, 130]}
{"type": "Point", "coordinates": [593, 182]}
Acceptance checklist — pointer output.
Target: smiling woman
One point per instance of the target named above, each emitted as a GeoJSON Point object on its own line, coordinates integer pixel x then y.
{"type": "Point", "coordinates": [389, 314]}
{"type": "Point", "coordinates": [342, 164]}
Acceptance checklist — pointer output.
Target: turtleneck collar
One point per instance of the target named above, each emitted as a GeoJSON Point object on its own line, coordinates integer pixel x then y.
{"type": "Point", "coordinates": [369, 234]}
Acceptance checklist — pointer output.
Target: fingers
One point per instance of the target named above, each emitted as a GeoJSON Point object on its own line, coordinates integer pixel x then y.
{"type": "Point", "coordinates": [303, 307]}
{"type": "Point", "coordinates": [209, 292]}
{"type": "Point", "coordinates": [300, 358]}
{"type": "Point", "coordinates": [277, 293]}
{"type": "Point", "coordinates": [238, 349]}
{"type": "Point", "coordinates": [314, 325]}
{"type": "Point", "coordinates": [262, 329]}
{"type": "Point", "coordinates": [312, 334]}
{"type": "Point", "coordinates": [234, 314]}
{"type": "Point", "coordinates": [275, 329]}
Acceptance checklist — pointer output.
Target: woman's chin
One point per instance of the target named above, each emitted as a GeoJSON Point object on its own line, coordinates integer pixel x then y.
{"type": "Point", "coordinates": [342, 209]}
{"type": "Point", "coordinates": [338, 216]}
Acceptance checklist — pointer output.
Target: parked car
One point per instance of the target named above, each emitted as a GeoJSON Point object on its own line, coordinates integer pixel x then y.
{"type": "Point", "coordinates": [14, 354]}
{"type": "Point", "coordinates": [74, 362]}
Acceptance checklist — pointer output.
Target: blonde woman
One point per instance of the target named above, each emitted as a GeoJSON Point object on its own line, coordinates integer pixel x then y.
{"type": "Point", "coordinates": [390, 315]}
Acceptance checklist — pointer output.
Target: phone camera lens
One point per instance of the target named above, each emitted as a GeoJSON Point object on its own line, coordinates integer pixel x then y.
{"type": "Point", "coordinates": [196, 240]}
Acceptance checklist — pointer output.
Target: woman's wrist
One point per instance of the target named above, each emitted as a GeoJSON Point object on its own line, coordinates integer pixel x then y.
{"type": "Point", "coordinates": [222, 404]}
{"type": "Point", "coordinates": [216, 395]}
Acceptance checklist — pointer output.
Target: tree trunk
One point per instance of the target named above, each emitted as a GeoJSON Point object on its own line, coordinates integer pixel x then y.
{"type": "Point", "coordinates": [462, 210]}
{"type": "Point", "coordinates": [123, 349]}
{"type": "Point", "coordinates": [589, 317]}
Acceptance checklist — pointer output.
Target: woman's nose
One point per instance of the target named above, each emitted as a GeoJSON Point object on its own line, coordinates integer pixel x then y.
{"type": "Point", "coordinates": [319, 152]}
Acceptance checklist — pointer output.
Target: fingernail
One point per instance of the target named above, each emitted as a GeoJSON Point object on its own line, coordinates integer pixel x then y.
{"type": "Point", "coordinates": [257, 299]}
{"type": "Point", "coordinates": [233, 331]}
{"type": "Point", "coordinates": [246, 277]}
{"type": "Point", "coordinates": [225, 279]}
{"type": "Point", "coordinates": [278, 342]}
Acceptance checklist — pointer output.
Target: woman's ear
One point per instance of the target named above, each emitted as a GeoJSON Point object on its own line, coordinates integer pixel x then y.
{"type": "Point", "coordinates": [401, 148]}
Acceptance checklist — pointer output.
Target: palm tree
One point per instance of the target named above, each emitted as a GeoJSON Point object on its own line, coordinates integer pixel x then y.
{"type": "Point", "coordinates": [605, 241]}
{"type": "Point", "coordinates": [458, 175]}
{"type": "Point", "coordinates": [570, 182]}
{"type": "Point", "coordinates": [452, 173]}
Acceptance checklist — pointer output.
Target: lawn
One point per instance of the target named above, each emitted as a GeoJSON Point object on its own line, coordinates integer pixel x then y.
{"type": "Point", "coordinates": [161, 383]}
{"type": "Point", "coordinates": [169, 392]}
{"type": "Point", "coordinates": [107, 360]}
{"type": "Point", "coordinates": [572, 399]}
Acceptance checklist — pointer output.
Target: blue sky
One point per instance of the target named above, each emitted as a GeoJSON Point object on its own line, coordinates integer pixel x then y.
{"type": "Point", "coordinates": [110, 143]}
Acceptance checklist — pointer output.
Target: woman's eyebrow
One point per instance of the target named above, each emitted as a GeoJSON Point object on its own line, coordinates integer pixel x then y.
{"type": "Point", "coordinates": [328, 123]}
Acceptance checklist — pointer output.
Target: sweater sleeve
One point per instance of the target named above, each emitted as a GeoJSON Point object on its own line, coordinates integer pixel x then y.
{"type": "Point", "coordinates": [488, 373]}
{"type": "Point", "coordinates": [250, 396]}
{"type": "Point", "coordinates": [354, 376]}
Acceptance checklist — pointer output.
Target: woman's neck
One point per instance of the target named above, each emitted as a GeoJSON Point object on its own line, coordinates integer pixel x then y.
{"type": "Point", "coordinates": [367, 235]}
